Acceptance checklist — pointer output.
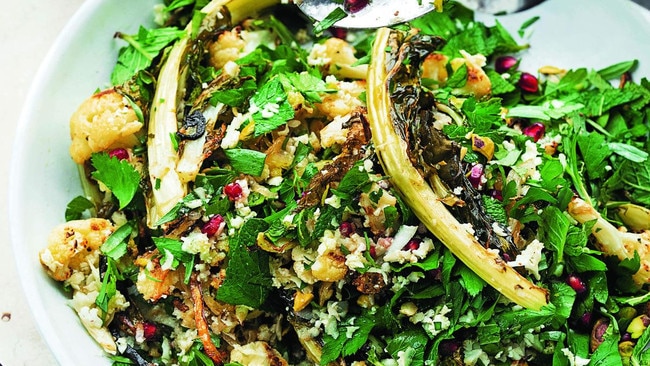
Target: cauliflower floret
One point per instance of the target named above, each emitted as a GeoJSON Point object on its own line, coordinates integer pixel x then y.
{"type": "Point", "coordinates": [337, 57]}
{"type": "Point", "coordinates": [434, 67]}
{"type": "Point", "coordinates": [231, 45]}
{"type": "Point", "coordinates": [72, 255]}
{"type": "Point", "coordinates": [478, 83]}
{"type": "Point", "coordinates": [257, 354]}
{"type": "Point", "coordinates": [71, 245]}
{"type": "Point", "coordinates": [153, 281]}
{"type": "Point", "coordinates": [104, 121]}
{"type": "Point", "coordinates": [344, 101]}
{"type": "Point", "coordinates": [227, 48]}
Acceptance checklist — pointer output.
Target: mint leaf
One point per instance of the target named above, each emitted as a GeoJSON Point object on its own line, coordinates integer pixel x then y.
{"type": "Point", "coordinates": [246, 161]}
{"type": "Point", "coordinates": [118, 175]}
{"type": "Point", "coordinates": [248, 277]}
{"type": "Point", "coordinates": [109, 286]}
{"type": "Point", "coordinates": [329, 20]}
{"type": "Point", "coordinates": [143, 48]}
{"type": "Point", "coordinates": [273, 109]}
{"type": "Point", "coordinates": [628, 151]}
{"type": "Point", "coordinates": [595, 151]}
{"type": "Point", "coordinates": [115, 245]}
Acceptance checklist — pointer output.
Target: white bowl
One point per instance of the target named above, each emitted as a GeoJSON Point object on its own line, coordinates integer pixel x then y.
{"type": "Point", "coordinates": [44, 178]}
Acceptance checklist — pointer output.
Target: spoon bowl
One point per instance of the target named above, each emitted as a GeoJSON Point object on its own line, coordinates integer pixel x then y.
{"type": "Point", "coordinates": [377, 13]}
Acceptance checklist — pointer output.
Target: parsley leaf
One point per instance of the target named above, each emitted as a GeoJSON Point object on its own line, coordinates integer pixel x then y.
{"type": "Point", "coordinates": [246, 161]}
{"type": "Point", "coordinates": [76, 208]}
{"type": "Point", "coordinates": [273, 109]}
{"type": "Point", "coordinates": [174, 248]}
{"type": "Point", "coordinates": [118, 175]}
{"type": "Point", "coordinates": [143, 48]}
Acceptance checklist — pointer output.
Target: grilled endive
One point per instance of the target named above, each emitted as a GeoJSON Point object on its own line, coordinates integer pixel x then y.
{"type": "Point", "coordinates": [392, 149]}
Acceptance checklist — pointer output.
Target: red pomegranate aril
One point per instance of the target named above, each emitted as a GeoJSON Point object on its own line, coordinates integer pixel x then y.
{"type": "Point", "coordinates": [337, 32]}
{"type": "Point", "coordinates": [448, 347]}
{"type": "Point", "coordinates": [528, 83]}
{"type": "Point", "coordinates": [233, 191]}
{"type": "Point", "coordinates": [535, 131]}
{"type": "Point", "coordinates": [496, 194]}
{"type": "Point", "coordinates": [150, 330]}
{"type": "Point", "coordinates": [119, 153]}
{"type": "Point", "coordinates": [354, 6]}
{"type": "Point", "coordinates": [213, 225]}
{"type": "Point", "coordinates": [576, 284]}
{"type": "Point", "coordinates": [346, 228]}
{"type": "Point", "coordinates": [372, 251]}
{"type": "Point", "coordinates": [505, 64]}
{"type": "Point", "coordinates": [413, 244]}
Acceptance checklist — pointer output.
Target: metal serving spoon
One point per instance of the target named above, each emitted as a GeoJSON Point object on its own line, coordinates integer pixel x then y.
{"type": "Point", "coordinates": [372, 14]}
{"type": "Point", "coordinates": [381, 13]}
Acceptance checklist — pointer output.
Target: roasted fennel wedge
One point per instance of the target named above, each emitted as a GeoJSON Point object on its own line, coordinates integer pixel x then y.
{"type": "Point", "coordinates": [389, 139]}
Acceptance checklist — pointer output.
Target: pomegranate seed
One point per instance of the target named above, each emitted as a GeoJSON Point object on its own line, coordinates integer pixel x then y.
{"type": "Point", "coordinates": [448, 347]}
{"type": "Point", "coordinates": [413, 244]}
{"type": "Point", "coordinates": [576, 284]}
{"type": "Point", "coordinates": [233, 191]}
{"type": "Point", "coordinates": [372, 251]}
{"type": "Point", "coordinates": [150, 330]}
{"type": "Point", "coordinates": [341, 33]}
{"type": "Point", "coordinates": [496, 194]}
{"type": "Point", "coordinates": [354, 6]}
{"type": "Point", "coordinates": [505, 63]}
{"type": "Point", "coordinates": [346, 228]}
{"type": "Point", "coordinates": [528, 83]}
{"type": "Point", "coordinates": [213, 226]}
{"type": "Point", "coordinates": [119, 153]}
{"type": "Point", "coordinates": [476, 176]}
{"type": "Point", "coordinates": [536, 131]}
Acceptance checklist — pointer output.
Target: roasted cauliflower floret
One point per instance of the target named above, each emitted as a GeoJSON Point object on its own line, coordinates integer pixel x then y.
{"type": "Point", "coordinates": [345, 101]}
{"type": "Point", "coordinates": [155, 281]}
{"type": "Point", "coordinates": [72, 255]}
{"type": "Point", "coordinates": [104, 121]}
{"type": "Point", "coordinates": [234, 44]}
{"type": "Point", "coordinates": [478, 83]}
{"type": "Point", "coordinates": [257, 354]}
{"type": "Point", "coordinates": [227, 48]}
{"type": "Point", "coordinates": [72, 244]}
{"type": "Point", "coordinates": [336, 57]}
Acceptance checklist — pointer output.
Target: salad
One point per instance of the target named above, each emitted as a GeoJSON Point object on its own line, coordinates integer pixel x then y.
{"type": "Point", "coordinates": [261, 190]}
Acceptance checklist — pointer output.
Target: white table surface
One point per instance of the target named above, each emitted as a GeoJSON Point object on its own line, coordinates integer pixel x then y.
{"type": "Point", "coordinates": [27, 29]}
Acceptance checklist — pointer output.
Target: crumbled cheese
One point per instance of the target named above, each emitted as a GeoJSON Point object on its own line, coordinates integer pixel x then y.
{"type": "Point", "coordinates": [574, 360]}
{"type": "Point", "coordinates": [499, 230]}
{"type": "Point", "coordinates": [334, 201]}
{"type": "Point", "coordinates": [197, 242]}
{"type": "Point", "coordinates": [529, 258]}
{"type": "Point", "coordinates": [469, 228]}
{"type": "Point", "coordinates": [473, 353]}
{"type": "Point", "coordinates": [231, 138]}
{"type": "Point", "coordinates": [434, 320]}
